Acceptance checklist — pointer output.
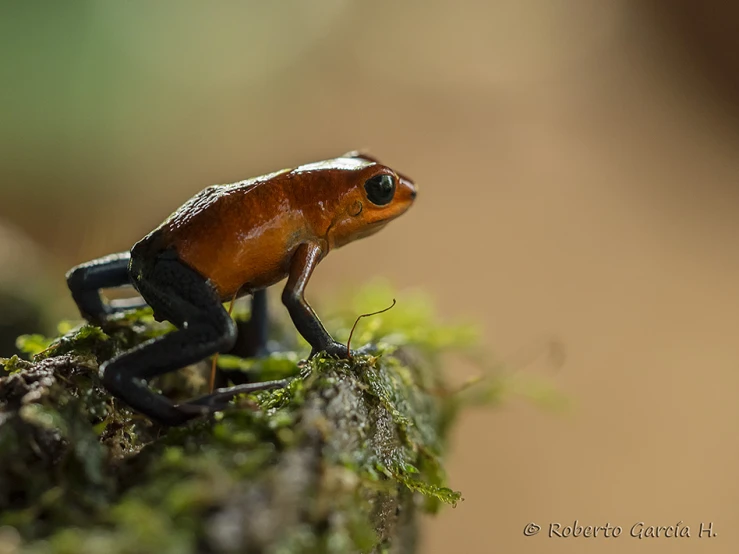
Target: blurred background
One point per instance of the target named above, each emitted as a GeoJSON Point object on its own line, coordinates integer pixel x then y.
{"type": "Point", "coordinates": [578, 179]}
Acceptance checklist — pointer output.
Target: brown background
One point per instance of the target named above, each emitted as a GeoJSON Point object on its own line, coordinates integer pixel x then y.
{"type": "Point", "coordinates": [579, 179]}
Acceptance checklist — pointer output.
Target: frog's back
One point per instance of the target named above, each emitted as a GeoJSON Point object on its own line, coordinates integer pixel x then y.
{"type": "Point", "coordinates": [213, 203]}
{"type": "Point", "coordinates": [194, 217]}
{"type": "Point", "coordinates": [233, 235]}
{"type": "Point", "coordinates": [197, 208]}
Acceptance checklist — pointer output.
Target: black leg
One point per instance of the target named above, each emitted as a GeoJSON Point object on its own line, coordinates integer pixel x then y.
{"type": "Point", "coordinates": [305, 319]}
{"type": "Point", "coordinates": [204, 328]}
{"type": "Point", "coordinates": [86, 280]}
{"type": "Point", "coordinates": [251, 341]}
{"type": "Point", "coordinates": [252, 334]}
{"type": "Point", "coordinates": [258, 323]}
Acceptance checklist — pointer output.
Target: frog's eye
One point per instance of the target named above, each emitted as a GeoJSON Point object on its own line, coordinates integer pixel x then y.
{"type": "Point", "coordinates": [380, 189]}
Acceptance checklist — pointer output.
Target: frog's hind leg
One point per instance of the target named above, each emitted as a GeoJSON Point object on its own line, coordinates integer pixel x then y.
{"type": "Point", "coordinates": [86, 280]}
{"type": "Point", "coordinates": [204, 328]}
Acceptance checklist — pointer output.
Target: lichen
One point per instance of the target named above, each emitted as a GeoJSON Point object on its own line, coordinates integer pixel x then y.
{"type": "Point", "coordinates": [340, 460]}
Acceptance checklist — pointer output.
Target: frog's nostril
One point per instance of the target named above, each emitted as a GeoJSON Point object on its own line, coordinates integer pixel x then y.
{"type": "Point", "coordinates": [413, 193]}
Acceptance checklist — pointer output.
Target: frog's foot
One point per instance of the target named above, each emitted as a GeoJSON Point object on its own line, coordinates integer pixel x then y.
{"type": "Point", "coordinates": [338, 350]}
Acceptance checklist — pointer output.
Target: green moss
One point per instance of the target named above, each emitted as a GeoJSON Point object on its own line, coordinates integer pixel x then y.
{"type": "Point", "coordinates": [279, 365]}
{"type": "Point", "coordinates": [87, 341]}
{"type": "Point", "coordinates": [338, 461]}
{"type": "Point", "coordinates": [14, 364]}
{"type": "Point", "coordinates": [413, 321]}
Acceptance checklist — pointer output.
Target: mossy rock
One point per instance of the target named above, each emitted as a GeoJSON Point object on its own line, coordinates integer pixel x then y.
{"type": "Point", "coordinates": [342, 460]}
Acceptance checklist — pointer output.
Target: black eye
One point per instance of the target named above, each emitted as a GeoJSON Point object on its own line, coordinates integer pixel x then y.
{"type": "Point", "coordinates": [380, 189]}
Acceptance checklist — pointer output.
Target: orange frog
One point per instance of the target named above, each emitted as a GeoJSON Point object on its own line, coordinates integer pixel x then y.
{"type": "Point", "coordinates": [231, 240]}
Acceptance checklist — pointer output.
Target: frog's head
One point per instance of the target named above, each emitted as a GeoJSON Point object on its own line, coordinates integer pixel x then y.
{"type": "Point", "coordinates": [371, 195]}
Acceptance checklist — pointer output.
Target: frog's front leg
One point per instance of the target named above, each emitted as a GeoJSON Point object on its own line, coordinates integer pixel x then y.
{"type": "Point", "coordinates": [306, 321]}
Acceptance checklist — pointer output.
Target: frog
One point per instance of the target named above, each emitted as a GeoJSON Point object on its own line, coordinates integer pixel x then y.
{"type": "Point", "coordinates": [229, 241]}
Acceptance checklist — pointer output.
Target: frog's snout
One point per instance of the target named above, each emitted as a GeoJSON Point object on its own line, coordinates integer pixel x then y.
{"type": "Point", "coordinates": [408, 186]}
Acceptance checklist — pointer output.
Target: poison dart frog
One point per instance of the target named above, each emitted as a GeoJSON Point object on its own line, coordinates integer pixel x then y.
{"type": "Point", "coordinates": [228, 241]}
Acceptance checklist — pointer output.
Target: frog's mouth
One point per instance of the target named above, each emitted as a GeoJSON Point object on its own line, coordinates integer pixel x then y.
{"type": "Point", "coordinates": [365, 231]}
{"type": "Point", "coordinates": [372, 228]}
